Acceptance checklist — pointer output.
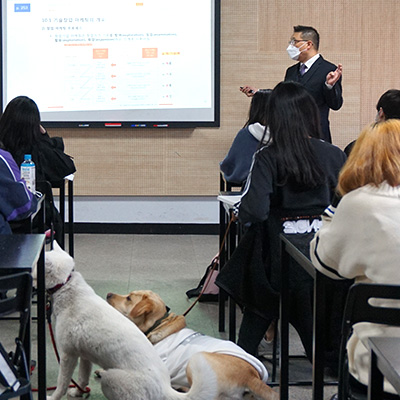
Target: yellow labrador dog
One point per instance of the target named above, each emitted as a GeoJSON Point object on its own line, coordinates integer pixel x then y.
{"type": "Point", "coordinates": [237, 371]}
{"type": "Point", "coordinates": [87, 327]}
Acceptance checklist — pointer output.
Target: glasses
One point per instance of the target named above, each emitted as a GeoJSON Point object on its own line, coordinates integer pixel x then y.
{"type": "Point", "coordinates": [294, 41]}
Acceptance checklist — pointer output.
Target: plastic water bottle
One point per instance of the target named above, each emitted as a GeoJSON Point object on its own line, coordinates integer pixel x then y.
{"type": "Point", "coordinates": [28, 173]}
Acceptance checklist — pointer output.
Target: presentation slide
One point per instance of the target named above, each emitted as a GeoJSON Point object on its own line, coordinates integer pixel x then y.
{"type": "Point", "coordinates": [113, 62]}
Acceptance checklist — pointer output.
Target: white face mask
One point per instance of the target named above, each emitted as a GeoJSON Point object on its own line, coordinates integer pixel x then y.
{"type": "Point", "coordinates": [293, 51]}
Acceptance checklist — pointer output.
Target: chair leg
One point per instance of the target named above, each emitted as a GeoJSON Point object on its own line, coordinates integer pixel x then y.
{"type": "Point", "coordinates": [274, 354]}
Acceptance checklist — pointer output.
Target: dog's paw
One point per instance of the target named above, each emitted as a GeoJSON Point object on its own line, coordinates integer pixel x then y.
{"type": "Point", "coordinates": [155, 337]}
{"type": "Point", "coordinates": [75, 392]}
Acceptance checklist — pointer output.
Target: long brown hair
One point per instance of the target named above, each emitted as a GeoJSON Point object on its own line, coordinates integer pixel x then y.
{"type": "Point", "coordinates": [375, 158]}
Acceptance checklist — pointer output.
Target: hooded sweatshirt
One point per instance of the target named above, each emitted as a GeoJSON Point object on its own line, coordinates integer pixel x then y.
{"type": "Point", "coordinates": [236, 164]}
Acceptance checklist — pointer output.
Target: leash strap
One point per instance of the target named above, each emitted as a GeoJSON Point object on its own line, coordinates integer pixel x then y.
{"type": "Point", "coordinates": [214, 263]}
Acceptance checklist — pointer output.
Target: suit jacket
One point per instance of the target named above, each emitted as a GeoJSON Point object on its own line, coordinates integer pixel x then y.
{"type": "Point", "coordinates": [314, 81]}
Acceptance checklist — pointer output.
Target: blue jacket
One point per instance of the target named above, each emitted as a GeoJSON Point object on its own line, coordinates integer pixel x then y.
{"type": "Point", "coordinates": [16, 201]}
{"type": "Point", "coordinates": [236, 165]}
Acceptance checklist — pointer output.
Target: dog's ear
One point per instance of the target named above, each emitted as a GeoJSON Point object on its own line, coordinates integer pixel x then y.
{"type": "Point", "coordinates": [142, 308]}
{"type": "Point", "coordinates": [56, 246]}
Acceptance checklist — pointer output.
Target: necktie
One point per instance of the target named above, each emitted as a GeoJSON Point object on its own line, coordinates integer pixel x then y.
{"type": "Point", "coordinates": [302, 69]}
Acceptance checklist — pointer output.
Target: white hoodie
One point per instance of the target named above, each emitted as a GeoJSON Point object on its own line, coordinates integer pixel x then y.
{"type": "Point", "coordinates": [257, 130]}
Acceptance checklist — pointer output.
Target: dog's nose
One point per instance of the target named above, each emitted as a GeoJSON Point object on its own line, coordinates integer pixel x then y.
{"type": "Point", "coordinates": [110, 295]}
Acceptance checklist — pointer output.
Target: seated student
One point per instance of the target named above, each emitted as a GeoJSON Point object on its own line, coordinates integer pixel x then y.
{"type": "Point", "coordinates": [236, 165]}
{"type": "Point", "coordinates": [21, 133]}
{"type": "Point", "coordinates": [293, 178]}
{"type": "Point", "coordinates": [388, 107]}
{"type": "Point", "coordinates": [361, 238]}
{"type": "Point", "coordinates": [16, 201]}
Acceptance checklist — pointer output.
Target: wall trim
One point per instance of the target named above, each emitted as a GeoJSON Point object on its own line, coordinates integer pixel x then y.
{"type": "Point", "coordinates": [143, 229]}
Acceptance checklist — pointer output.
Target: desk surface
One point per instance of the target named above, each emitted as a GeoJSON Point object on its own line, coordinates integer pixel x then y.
{"type": "Point", "coordinates": [20, 252]}
{"type": "Point", "coordinates": [387, 350]}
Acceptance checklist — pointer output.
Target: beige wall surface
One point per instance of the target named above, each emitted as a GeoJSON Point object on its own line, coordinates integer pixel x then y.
{"type": "Point", "coordinates": [363, 35]}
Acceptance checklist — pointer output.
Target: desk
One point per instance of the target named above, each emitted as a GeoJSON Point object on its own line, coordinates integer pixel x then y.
{"type": "Point", "coordinates": [385, 362]}
{"type": "Point", "coordinates": [20, 253]}
{"type": "Point", "coordinates": [225, 214]}
{"type": "Point", "coordinates": [297, 247]}
{"type": "Point", "coordinates": [232, 237]}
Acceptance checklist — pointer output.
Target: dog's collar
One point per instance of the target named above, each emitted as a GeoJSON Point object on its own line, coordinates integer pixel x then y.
{"type": "Point", "coordinates": [158, 322]}
{"type": "Point", "coordinates": [59, 286]}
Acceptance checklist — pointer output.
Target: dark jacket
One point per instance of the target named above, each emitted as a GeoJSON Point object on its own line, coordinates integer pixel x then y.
{"type": "Point", "coordinates": [263, 192]}
{"type": "Point", "coordinates": [314, 81]}
{"type": "Point", "coordinates": [52, 164]}
{"type": "Point", "coordinates": [236, 165]}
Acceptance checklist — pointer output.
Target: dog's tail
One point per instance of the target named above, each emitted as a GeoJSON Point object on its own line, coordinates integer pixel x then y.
{"type": "Point", "coordinates": [202, 379]}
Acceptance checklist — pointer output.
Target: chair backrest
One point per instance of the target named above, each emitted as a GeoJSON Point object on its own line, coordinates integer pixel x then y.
{"type": "Point", "coordinates": [29, 224]}
{"type": "Point", "coordinates": [17, 293]}
{"type": "Point", "coordinates": [21, 299]}
{"type": "Point", "coordinates": [361, 307]}
{"type": "Point", "coordinates": [18, 298]}
{"type": "Point", "coordinates": [225, 186]}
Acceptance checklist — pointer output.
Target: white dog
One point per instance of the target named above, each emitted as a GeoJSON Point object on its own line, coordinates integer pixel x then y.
{"type": "Point", "coordinates": [87, 327]}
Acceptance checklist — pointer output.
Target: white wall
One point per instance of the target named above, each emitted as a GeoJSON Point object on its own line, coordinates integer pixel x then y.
{"type": "Point", "coordinates": [161, 210]}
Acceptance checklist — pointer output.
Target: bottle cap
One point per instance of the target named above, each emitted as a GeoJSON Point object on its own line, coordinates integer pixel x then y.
{"type": "Point", "coordinates": [27, 157]}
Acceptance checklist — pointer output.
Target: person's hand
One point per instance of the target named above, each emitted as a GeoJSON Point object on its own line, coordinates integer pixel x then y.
{"type": "Point", "coordinates": [42, 130]}
{"type": "Point", "coordinates": [334, 76]}
{"type": "Point", "coordinates": [248, 90]}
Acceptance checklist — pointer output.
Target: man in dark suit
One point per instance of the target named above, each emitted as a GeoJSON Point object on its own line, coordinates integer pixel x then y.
{"type": "Point", "coordinates": [320, 77]}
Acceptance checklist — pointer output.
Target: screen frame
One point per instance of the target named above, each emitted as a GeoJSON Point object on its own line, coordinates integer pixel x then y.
{"type": "Point", "coordinates": [142, 124]}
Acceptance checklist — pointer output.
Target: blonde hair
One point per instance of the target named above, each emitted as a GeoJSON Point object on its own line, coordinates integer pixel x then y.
{"type": "Point", "coordinates": [374, 158]}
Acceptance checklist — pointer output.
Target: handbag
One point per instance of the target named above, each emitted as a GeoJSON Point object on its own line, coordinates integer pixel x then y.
{"type": "Point", "coordinates": [207, 287]}
{"type": "Point", "coordinates": [207, 282]}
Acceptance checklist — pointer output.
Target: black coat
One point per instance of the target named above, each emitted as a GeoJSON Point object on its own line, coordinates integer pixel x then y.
{"type": "Point", "coordinates": [51, 163]}
{"type": "Point", "coordinates": [314, 81]}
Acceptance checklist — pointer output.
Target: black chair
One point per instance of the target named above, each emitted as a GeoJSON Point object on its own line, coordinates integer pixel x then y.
{"type": "Point", "coordinates": [359, 309]}
{"type": "Point", "coordinates": [61, 187]}
{"type": "Point", "coordinates": [18, 288]}
{"type": "Point", "coordinates": [36, 221]}
{"type": "Point", "coordinates": [46, 188]}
